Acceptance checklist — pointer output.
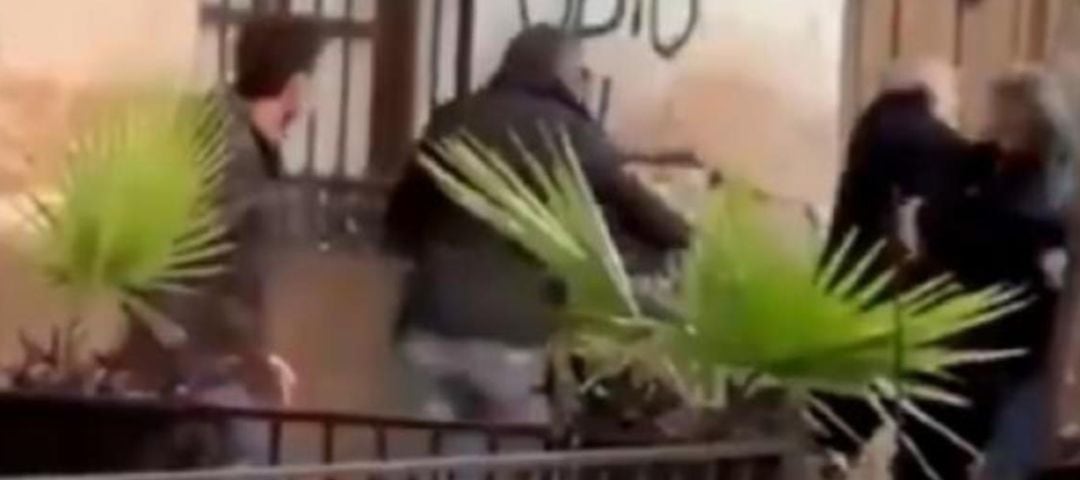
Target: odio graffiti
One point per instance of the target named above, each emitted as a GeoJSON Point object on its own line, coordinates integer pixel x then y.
{"type": "Point", "coordinates": [573, 16]}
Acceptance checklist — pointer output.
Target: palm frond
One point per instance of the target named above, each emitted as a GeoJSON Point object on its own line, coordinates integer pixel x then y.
{"type": "Point", "coordinates": [828, 414]}
{"type": "Point", "coordinates": [136, 210]}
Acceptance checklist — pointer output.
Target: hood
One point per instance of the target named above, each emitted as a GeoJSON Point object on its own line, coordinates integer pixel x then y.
{"type": "Point", "coordinates": [530, 63]}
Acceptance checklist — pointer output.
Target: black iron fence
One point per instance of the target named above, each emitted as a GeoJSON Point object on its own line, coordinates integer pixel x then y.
{"type": "Point", "coordinates": [53, 435]}
{"type": "Point", "coordinates": [49, 434]}
{"type": "Point", "coordinates": [387, 434]}
{"type": "Point", "coordinates": [735, 461]}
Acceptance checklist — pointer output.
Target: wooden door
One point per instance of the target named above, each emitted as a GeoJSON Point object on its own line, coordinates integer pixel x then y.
{"type": "Point", "coordinates": [983, 38]}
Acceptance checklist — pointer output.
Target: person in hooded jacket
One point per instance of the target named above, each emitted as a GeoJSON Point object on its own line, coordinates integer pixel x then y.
{"type": "Point", "coordinates": [473, 295]}
{"type": "Point", "coordinates": [901, 152]}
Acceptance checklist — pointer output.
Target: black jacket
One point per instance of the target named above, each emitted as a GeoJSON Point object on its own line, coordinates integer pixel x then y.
{"type": "Point", "coordinates": [992, 228]}
{"type": "Point", "coordinates": [898, 150]}
{"type": "Point", "coordinates": [470, 281]}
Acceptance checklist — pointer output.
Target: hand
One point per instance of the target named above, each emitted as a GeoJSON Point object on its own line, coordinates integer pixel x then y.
{"type": "Point", "coordinates": [285, 376]}
{"type": "Point", "coordinates": [907, 226]}
{"type": "Point", "coordinates": [1053, 263]}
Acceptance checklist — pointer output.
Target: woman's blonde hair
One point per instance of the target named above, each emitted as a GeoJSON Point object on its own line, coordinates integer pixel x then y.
{"type": "Point", "coordinates": [1032, 88]}
{"type": "Point", "coordinates": [1050, 125]}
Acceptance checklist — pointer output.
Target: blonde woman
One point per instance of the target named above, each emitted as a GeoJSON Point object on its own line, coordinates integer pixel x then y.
{"type": "Point", "coordinates": [1034, 180]}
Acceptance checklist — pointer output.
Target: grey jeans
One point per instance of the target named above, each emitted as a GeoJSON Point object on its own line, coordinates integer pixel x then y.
{"type": "Point", "coordinates": [1012, 453]}
{"type": "Point", "coordinates": [477, 379]}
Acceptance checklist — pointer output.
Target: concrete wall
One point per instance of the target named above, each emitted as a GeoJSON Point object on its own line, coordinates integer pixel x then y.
{"type": "Point", "coordinates": [100, 40]}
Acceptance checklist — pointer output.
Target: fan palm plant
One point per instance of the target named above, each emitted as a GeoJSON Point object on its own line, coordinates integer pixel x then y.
{"type": "Point", "coordinates": [134, 214]}
{"type": "Point", "coordinates": [749, 310]}
{"type": "Point", "coordinates": [754, 310]}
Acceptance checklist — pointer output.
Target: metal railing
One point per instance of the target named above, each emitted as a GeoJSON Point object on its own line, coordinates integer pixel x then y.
{"type": "Point", "coordinates": [55, 430]}
{"type": "Point", "coordinates": [67, 432]}
{"type": "Point", "coordinates": [330, 424]}
{"type": "Point", "coordinates": [720, 461]}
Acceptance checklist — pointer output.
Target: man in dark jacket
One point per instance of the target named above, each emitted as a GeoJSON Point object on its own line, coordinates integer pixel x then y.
{"type": "Point", "coordinates": [902, 154]}
{"type": "Point", "coordinates": [898, 153]}
{"type": "Point", "coordinates": [470, 284]}
{"type": "Point", "coordinates": [224, 359]}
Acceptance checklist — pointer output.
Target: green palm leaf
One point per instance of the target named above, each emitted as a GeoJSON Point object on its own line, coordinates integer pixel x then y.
{"type": "Point", "coordinates": [137, 208]}
{"type": "Point", "coordinates": [752, 305]}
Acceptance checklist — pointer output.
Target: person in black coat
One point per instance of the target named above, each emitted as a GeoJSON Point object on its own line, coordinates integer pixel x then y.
{"type": "Point", "coordinates": [987, 217]}
{"type": "Point", "coordinates": [470, 284]}
{"type": "Point", "coordinates": [898, 154]}
{"type": "Point", "coordinates": [901, 155]}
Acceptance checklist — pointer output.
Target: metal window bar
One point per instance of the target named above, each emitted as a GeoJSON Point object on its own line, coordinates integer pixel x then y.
{"type": "Point", "coordinates": [328, 442]}
{"type": "Point", "coordinates": [339, 168]}
{"type": "Point", "coordinates": [313, 119]}
{"type": "Point", "coordinates": [719, 461]}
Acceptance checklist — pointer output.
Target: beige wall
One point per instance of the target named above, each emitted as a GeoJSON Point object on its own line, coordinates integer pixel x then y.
{"type": "Point", "coordinates": [52, 50]}
{"type": "Point", "coordinates": [78, 40]}
{"type": "Point", "coordinates": [326, 94]}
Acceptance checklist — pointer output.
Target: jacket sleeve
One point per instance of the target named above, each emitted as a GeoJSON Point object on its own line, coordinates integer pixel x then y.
{"type": "Point", "coordinates": [242, 191]}
{"type": "Point", "coordinates": [410, 202]}
{"type": "Point", "coordinates": [638, 210]}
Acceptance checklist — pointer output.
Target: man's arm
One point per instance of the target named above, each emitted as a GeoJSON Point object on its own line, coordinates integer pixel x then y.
{"type": "Point", "coordinates": [642, 213]}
